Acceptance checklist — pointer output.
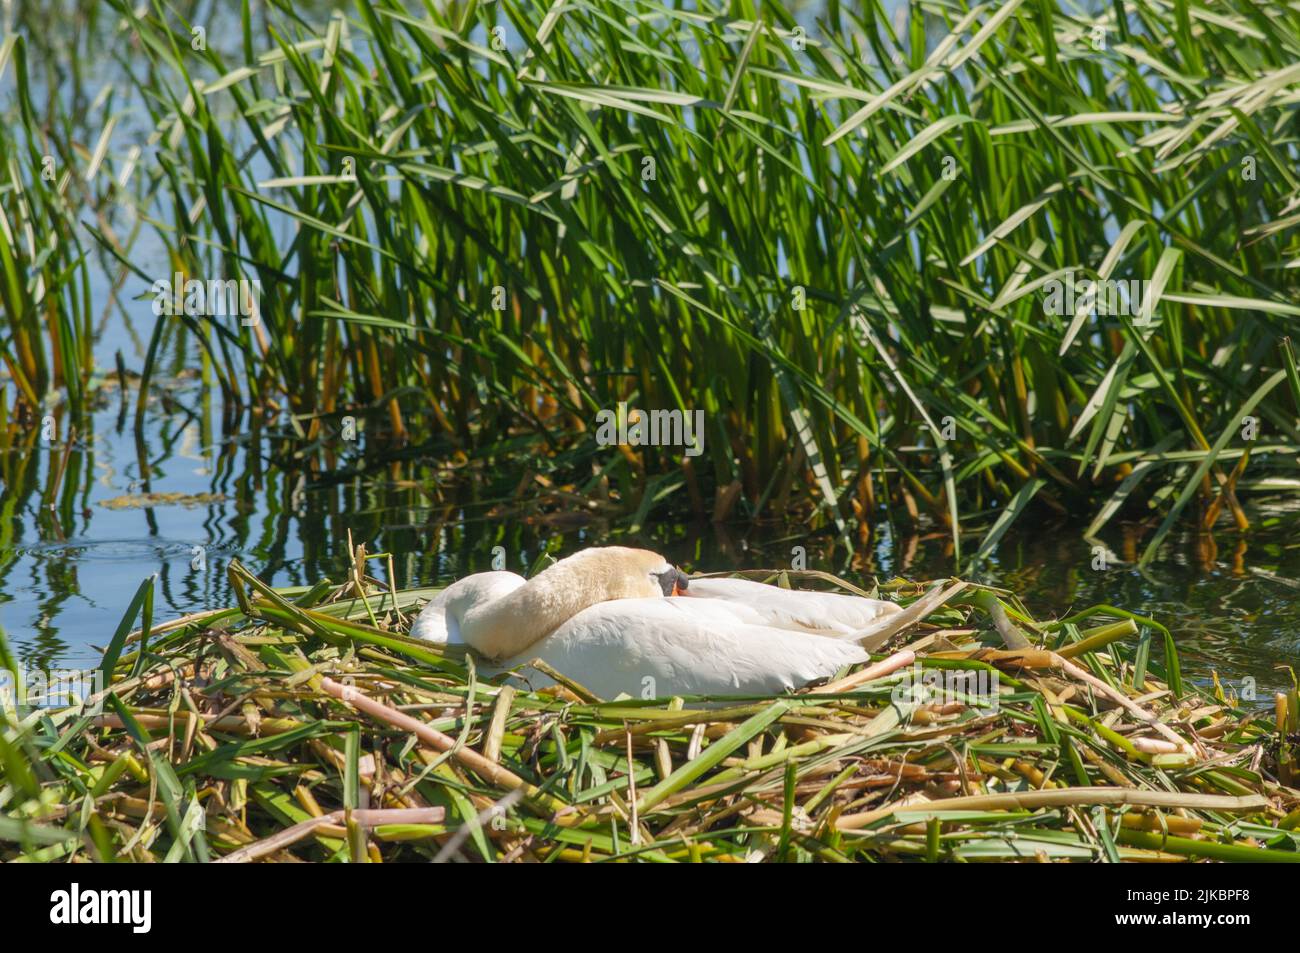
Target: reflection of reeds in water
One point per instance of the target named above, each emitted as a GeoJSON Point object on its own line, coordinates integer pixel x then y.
{"type": "Point", "coordinates": [838, 252]}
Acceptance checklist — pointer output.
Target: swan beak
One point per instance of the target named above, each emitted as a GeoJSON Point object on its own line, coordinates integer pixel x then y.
{"type": "Point", "coordinates": [672, 581]}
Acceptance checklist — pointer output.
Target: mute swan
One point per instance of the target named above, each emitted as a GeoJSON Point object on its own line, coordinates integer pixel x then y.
{"type": "Point", "coordinates": [602, 618]}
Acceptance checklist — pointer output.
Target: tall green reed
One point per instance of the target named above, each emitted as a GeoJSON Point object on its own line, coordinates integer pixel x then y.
{"type": "Point", "coordinates": [45, 317]}
{"type": "Point", "coordinates": [488, 221]}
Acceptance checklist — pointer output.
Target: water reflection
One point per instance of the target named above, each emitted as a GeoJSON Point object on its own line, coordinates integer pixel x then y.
{"type": "Point", "coordinates": [74, 546]}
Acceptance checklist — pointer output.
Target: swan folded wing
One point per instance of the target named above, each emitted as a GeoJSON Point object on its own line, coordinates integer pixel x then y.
{"type": "Point", "coordinates": [827, 613]}
{"type": "Point", "coordinates": [431, 624]}
{"type": "Point", "coordinates": [648, 648]}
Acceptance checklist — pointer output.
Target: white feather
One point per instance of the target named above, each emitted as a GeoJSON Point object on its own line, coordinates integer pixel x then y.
{"type": "Point", "coordinates": [828, 613]}
{"type": "Point", "coordinates": [435, 624]}
{"type": "Point", "coordinates": [648, 648]}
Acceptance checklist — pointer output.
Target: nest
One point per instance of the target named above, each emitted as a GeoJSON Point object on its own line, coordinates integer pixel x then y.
{"type": "Point", "coordinates": [302, 725]}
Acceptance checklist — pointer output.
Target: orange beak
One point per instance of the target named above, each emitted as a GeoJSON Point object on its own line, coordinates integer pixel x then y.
{"type": "Point", "coordinates": [679, 584]}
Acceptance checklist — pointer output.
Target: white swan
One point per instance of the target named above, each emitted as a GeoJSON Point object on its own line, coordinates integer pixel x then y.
{"type": "Point", "coordinates": [602, 618]}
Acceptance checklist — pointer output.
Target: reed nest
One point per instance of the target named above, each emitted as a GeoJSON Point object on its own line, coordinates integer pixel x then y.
{"type": "Point", "coordinates": [301, 725]}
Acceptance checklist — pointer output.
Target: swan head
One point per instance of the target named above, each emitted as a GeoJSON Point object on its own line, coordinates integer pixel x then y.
{"type": "Point", "coordinates": [619, 572]}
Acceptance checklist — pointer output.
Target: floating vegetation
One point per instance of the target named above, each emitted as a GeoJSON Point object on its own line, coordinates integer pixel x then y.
{"type": "Point", "coordinates": [303, 725]}
{"type": "Point", "coordinates": [139, 501]}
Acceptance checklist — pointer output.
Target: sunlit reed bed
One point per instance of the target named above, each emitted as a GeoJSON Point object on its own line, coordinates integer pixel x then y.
{"type": "Point", "coordinates": [303, 725]}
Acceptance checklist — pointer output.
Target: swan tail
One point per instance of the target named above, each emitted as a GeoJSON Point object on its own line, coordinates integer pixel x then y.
{"type": "Point", "coordinates": [878, 633]}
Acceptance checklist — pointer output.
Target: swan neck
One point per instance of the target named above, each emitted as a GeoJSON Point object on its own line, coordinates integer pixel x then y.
{"type": "Point", "coordinates": [507, 625]}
